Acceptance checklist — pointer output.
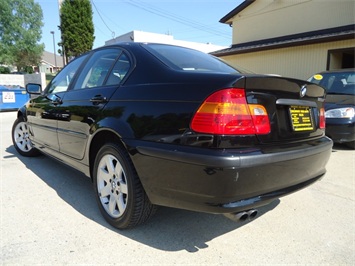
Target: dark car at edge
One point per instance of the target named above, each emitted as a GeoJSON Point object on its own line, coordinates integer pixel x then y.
{"type": "Point", "coordinates": [160, 125]}
{"type": "Point", "coordinates": [339, 104]}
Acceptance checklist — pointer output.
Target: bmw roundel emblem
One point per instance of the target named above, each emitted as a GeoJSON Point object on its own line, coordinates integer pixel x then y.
{"type": "Point", "coordinates": [303, 91]}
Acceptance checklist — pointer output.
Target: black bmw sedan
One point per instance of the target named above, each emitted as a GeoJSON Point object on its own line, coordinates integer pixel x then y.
{"type": "Point", "coordinates": [155, 124]}
{"type": "Point", "coordinates": [339, 104]}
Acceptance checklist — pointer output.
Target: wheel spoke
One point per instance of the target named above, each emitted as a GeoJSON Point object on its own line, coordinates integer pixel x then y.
{"type": "Point", "coordinates": [29, 145]}
{"type": "Point", "coordinates": [122, 180]}
{"type": "Point", "coordinates": [104, 175]}
{"type": "Point", "coordinates": [118, 172]}
{"type": "Point", "coordinates": [124, 188]}
{"type": "Point", "coordinates": [105, 191]}
{"type": "Point", "coordinates": [19, 137]}
{"type": "Point", "coordinates": [110, 164]}
{"type": "Point", "coordinates": [121, 204]}
{"type": "Point", "coordinates": [112, 204]}
{"type": "Point", "coordinates": [25, 146]}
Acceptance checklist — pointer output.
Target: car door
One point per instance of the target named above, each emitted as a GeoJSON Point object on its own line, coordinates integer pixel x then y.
{"type": "Point", "coordinates": [44, 111]}
{"type": "Point", "coordinates": [84, 102]}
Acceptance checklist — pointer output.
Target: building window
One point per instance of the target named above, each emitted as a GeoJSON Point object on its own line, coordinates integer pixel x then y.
{"type": "Point", "coordinates": [341, 58]}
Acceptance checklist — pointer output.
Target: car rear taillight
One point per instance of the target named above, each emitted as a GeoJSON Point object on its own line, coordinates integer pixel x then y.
{"type": "Point", "coordinates": [322, 118]}
{"type": "Point", "coordinates": [227, 112]}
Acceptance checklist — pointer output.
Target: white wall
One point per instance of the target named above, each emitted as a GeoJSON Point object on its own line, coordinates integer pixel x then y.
{"type": "Point", "coordinates": [22, 80]}
{"type": "Point", "coordinates": [297, 62]}
{"type": "Point", "coordinates": [142, 36]}
{"type": "Point", "coordinates": [266, 19]}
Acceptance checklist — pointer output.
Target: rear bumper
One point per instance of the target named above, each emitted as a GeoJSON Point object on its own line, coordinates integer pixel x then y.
{"type": "Point", "coordinates": [227, 181]}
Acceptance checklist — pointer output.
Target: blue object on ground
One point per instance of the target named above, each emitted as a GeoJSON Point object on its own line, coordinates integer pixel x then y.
{"type": "Point", "coordinates": [12, 97]}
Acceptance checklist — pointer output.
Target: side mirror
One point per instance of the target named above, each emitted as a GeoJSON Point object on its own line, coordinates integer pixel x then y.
{"type": "Point", "coordinates": [33, 88]}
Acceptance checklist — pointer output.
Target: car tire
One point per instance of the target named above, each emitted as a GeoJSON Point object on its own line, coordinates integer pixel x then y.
{"type": "Point", "coordinates": [20, 138]}
{"type": "Point", "coordinates": [120, 195]}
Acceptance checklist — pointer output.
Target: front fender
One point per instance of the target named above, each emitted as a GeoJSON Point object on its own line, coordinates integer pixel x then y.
{"type": "Point", "coordinates": [22, 112]}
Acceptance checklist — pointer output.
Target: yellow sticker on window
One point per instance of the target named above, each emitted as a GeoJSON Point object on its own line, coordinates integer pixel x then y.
{"type": "Point", "coordinates": [318, 77]}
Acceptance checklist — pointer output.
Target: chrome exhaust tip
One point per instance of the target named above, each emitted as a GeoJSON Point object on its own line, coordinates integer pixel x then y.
{"type": "Point", "coordinates": [242, 216]}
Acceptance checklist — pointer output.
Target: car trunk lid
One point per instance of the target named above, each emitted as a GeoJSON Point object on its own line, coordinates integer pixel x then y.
{"type": "Point", "coordinates": [293, 106]}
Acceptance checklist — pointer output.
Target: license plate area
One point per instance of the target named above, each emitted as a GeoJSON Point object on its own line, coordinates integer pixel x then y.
{"type": "Point", "coordinates": [301, 118]}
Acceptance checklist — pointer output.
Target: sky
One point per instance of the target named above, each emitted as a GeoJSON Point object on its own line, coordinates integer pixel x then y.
{"type": "Point", "coordinates": [187, 20]}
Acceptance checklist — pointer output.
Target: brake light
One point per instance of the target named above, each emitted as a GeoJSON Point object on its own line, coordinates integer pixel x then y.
{"type": "Point", "coordinates": [321, 118]}
{"type": "Point", "coordinates": [227, 112]}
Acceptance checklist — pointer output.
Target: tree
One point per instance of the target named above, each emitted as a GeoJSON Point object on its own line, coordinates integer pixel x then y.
{"type": "Point", "coordinates": [20, 32]}
{"type": "Point", "coordinates": [77, 27]}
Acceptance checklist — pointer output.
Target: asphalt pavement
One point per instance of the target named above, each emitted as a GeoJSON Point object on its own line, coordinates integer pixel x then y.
{"type": "Point", "coordinates": [49, 216]}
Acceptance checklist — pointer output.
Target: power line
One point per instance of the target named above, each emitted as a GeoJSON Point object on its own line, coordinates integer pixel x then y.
{"type": "Point", "coordinates": [166, 14]}
{"type": "Point", "coordinates": [112, 32]}
{"type": "Point", "coordinates": [188, 22]}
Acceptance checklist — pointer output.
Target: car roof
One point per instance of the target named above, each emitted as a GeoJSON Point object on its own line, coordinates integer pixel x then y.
{"type": "Point", "coordinates": [137, 44]}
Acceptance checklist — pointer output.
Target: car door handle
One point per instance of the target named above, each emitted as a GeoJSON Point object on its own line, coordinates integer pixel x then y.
{"type": "Point", "coordinates": [97, 99]}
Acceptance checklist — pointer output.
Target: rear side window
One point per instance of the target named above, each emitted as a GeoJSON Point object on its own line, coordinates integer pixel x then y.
{"type": "Point", "coordinates": [97, 69]}
{"type": "Point", "coordinates": [186, 59]}
{"type": "Point", "coordinates": [119, 70]}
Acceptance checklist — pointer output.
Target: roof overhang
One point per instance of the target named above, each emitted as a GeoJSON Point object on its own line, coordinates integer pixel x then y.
{"type": "Point", "coordinates": [226, 19]}
{"type": "Point", "coordinates": [311, 37]}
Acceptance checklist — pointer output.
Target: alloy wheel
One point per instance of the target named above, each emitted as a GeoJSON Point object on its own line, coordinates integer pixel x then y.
{"type": "Point", "coordinates": [21, 137]}
{"type": "Point", "coordinates": [112, 186]}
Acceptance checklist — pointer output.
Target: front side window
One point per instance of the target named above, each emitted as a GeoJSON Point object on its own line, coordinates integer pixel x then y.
{"type": "Point", "coordinates": [62, 81]}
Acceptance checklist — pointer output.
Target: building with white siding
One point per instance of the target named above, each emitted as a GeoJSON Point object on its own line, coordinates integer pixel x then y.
{"type": "Point", "coordinates": [142, 36]}
{"type": "Point", "coordinates": [50, 63]}
{"type": "Point", "coordinates": [291, 38]}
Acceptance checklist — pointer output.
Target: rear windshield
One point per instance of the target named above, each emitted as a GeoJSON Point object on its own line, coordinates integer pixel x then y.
{"type": "Point", "coordinates": [336, 82]}
{"type": "Point", "coordinates": [186, 59]}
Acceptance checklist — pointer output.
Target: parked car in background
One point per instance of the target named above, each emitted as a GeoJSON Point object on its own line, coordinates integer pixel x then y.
{"type": "Point", "coordinates": [156, 124]}
{"type": "Point", "coordinates": [340, 104]}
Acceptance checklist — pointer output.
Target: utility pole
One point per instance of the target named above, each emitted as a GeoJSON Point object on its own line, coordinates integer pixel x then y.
{"type": "Point", "coordinates": [55, 55]}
